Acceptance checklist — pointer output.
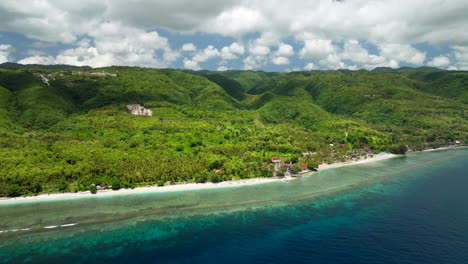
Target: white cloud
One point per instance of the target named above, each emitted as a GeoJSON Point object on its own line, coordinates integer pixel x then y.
{"type": "Point", "coordinates": [310, 66]}
{"type": "Point", "coordinates": [321, 26]}
{"type": "Point", "coordinates": [231, 52]}
{"type": "Point", "coordinates": [295, 69]}
{"type": "Point", "coordinates": [206, 54]}
{"type": "Point", "coordinates": [285, 50]}
{"type": "Point", "coordinates": [38, 59]}
{"type": "Point", "coordinates": [5, 51]}
{"type": "Point", "coordinates": [354, 52]}
{"type": "Point", "coordinates": [439, 22]}
{"type": "Point", "coordinates": [280, 61]}
{"type": "Point", "coordinates": [461, 55]}
{"type": "Point", "coordinates": [114, 44]}
{"type": "Point", "coordinates": [253, 62]}
{"type": "Point", "coordinates": [258, 57]}
{"type": "Point", "coordinates": [189, 47]}
{"type": "Point", "coordinates": [259, 50]}
{"type": "Point", "coordinates": [333, 61]}
{"type": "Point", "coordinates": [402, 52]}
{"type": "Point", "coordinates": [439, 62]}
{"type": "Point", "coordinates": [66, 20]}
{"type": "Point", "coordinates": [190, 64]}
{"type": "Point", "coordinates": [223, 68]}
{"type": "Point", "coordinates": [316, 48]}
{"type": "Point", "coordinates": [236, 21]}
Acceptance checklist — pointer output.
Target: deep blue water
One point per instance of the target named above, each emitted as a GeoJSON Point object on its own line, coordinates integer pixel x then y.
{"type": "Point", "coordinates": [419, 215]}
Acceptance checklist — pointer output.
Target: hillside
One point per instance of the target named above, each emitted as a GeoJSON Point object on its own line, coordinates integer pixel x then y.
{"type": "Point", "coordinates": [68, 128]}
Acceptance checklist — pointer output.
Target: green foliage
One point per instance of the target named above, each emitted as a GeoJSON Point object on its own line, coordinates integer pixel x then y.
{"type": "Point", "coordinates": [398, 149]}
{"type": "Point", "coordinates": [281, 171]}
{"type": "Point", "coordinates": [232, 87]}
{"type": "Point", "coordinates": [448, 84]}
{"type": "Point", "coordinates": [312, 165]}
{"type": "Point", "coordinates": [295, 168]}
{"type": "Point", "coordinates": [77, 131]}
{"type": "Point", "coordinates": [10, 190]}
{"type": "Point", "coordinates": [93, 189]}
{"type": "Point", "coordinates": [160, 183]}
{"type": "Point", "coordinates": [116, 184]}
{"type": "Point", "coordinates": [6, 103]}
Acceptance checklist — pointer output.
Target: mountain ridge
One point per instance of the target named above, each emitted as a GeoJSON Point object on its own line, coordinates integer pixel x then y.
{"type": "Point", "coordinates": [74, 129]}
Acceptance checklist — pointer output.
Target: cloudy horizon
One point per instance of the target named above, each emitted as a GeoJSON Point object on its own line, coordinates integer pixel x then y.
{"type": "Point", "coordinates": [250, 35]}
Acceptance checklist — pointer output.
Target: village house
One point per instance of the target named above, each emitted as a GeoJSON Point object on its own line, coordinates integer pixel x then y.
{"type": "Point", "coordinates": [277, 163]}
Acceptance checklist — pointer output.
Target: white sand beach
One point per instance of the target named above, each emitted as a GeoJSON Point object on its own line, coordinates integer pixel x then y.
{"type": "Point", "coordinates": [146, 189]}
{"type": "Point", "coordinates": [377, 157]}
{"type": "Point", "coordinates": [181, 187]}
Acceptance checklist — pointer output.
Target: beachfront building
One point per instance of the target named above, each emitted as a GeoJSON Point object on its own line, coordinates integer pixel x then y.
{"type": "Point", "coordinates": [277, 162]}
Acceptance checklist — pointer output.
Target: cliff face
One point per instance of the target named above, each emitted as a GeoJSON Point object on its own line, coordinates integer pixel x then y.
{"type": "Point", "coordinates": [137, 109]}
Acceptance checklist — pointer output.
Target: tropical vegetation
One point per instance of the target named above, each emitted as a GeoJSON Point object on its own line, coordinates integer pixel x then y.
{"type": "Point", "coordinates": [65, 129]}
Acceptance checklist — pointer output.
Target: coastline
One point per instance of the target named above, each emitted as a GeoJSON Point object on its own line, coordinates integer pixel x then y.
{"type": "Point", "coordinates": [377, 157]}
{"type": "Point", "coordinates": [181, 187]}
{"type": "Point", "coordinates": [145, 189]}
{"type": "Point", "coordinates": [197, 186]}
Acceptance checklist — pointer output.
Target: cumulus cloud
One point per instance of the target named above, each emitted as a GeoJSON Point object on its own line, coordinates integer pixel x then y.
{"type": "Point", "coordinates": [190, 64]}
{"type": "Point", "coordinates": [461, 55]}
{"type": "Point", "coordinates": [38, 59]}
{"type": "Point", "coordinates": [316, 48]}
{"type": "Point", "coordinates": [325, 31]}
{"type": "Point", "coordinates": [310, 66]}
{"type": "Point", "coordinates": [236, 21]}
{"type": "Point", "coordinates": [231, 52]}
{"type": "Point", "coordinates": [259, 50]}
{"type": "Point", "coordinates": [378, 21]}
{"type": "Point", "coordinates": [354, 52]}
{"type": "Point", "coordinates": [333, 61]}
{"type": "Point", "coordinates": [206, 54]}
{"type": "Point", "coordinates": [280, 61]}
{"type": "Point", "coordinates": [189, 47]}
{"type": "Point", "coordinates": [439, 62]}
{"type": "Point", "coordinates": [114, 44]}
{"type": "Point", "coordinates": [222, 68]}
{"type": "Point", "coordinates": [253, 62]}
{"type": "Point", "coordinates": [5, 50]}
{"type": "Point", "coordinates": [403, 52]}
{"type": "Point", "coordinates": [285, 50]}
{"type": "Point", "coordinates": [65, 20]}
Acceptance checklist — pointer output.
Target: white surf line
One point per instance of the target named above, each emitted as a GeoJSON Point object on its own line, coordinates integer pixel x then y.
{"type": "Point", "coordinates": [65, 225]}
{"type": "Point", "coordinates": [14, 230]}
{"type": "Point", "coordinates": [27, 229]}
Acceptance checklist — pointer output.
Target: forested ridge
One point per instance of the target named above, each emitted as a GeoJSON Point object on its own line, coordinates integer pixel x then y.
{"type": "Point", "coordinates": [64, 128]}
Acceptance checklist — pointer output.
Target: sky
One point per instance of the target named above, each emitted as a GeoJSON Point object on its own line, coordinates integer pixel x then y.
{"type": "Point", "coordinates": [269, 35]}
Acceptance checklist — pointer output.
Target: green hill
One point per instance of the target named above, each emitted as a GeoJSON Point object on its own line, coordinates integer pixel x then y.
{"type": "Point", "coordinates": [448, 84]}
{"type": "Point", "coordinates": [72, 129]}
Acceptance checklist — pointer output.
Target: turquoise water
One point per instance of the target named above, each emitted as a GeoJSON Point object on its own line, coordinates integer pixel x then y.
{"type": "Point", "coordinates": [403, 210]}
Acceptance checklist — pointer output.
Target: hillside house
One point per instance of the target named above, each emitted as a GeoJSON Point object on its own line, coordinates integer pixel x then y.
{"type": "Point", "coordinates": [136, 109]}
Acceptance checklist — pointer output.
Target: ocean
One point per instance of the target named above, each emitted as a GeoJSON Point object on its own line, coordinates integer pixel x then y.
{"type": "Point", "coordinates": [408, 209]}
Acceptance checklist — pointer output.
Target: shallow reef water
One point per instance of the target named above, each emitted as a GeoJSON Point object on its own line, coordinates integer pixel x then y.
{"type": "Point", "coordinates": [407, 209]}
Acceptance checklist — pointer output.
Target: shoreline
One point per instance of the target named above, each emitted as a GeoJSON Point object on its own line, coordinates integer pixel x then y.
{"type": "Point", "coordinates": [376, 157]}
{"type": "Point", "coordinates": [145, 189]}
{"type": "Point", "coordinates": [191, 186]}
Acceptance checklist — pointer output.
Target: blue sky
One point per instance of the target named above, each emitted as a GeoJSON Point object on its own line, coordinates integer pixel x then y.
{"type": "Point", "coordinates": [268, 35]}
